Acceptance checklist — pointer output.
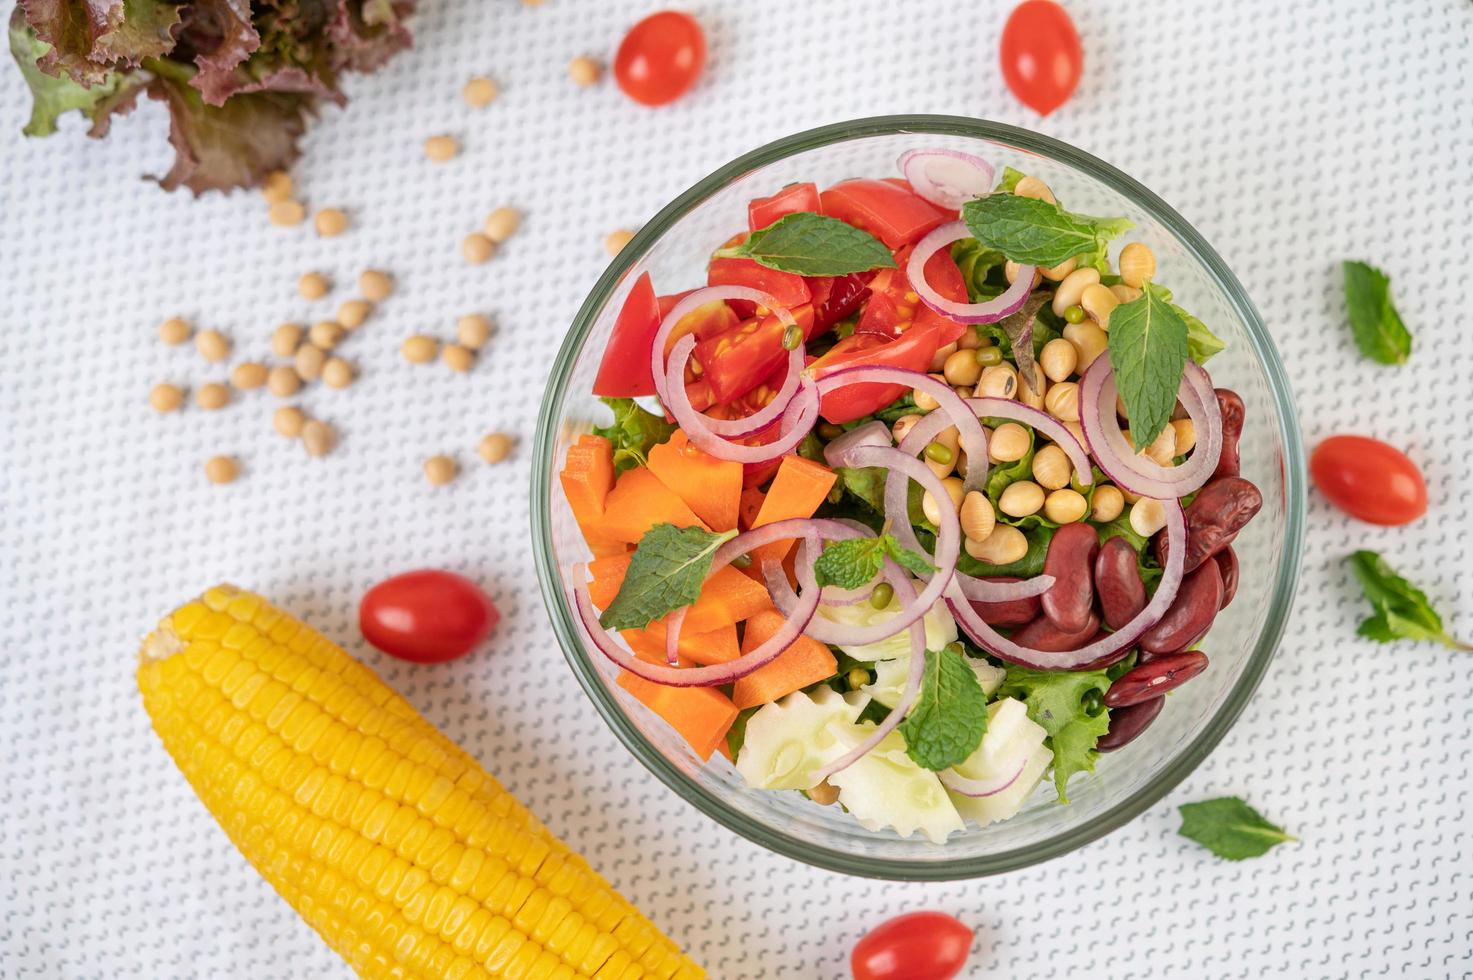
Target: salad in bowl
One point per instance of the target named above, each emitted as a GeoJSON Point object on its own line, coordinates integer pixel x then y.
{"type": "Point", "coordinates": [921, 502]}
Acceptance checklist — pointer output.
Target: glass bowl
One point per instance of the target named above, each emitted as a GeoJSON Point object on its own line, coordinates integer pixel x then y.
{"type": "Point", "coordinates": [673, 247]}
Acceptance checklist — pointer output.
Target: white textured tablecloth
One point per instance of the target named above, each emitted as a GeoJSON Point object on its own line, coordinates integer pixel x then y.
{"type": "Point", "coordinates": [1291, 135]}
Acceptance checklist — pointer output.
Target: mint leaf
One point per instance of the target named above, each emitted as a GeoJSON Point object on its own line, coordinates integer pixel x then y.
{"type": "Point", "coordinates": [1402, 611]}
{"type": "Point", "coordinates": [813, 245]}
{"type": "Point", "coordinates": [634, 432]}
{"type": "Point", "coordinates": [1037, 232]}
{"type": "Point", "coordinates": [1379, 332]}
{"type": "Point", "coordinates": [1055, 700]}
{"type": "Point", "coordinates": [907, 559]}
{"type": "Point", "coordinates": [1148, 350]}
{"type": "Point", "coordinates": [1009, 180]}
{"type": "Point", "coordinates": [1230, 828]}
{"type": "Point", "coordinates": [665, 574]}
{"type": "Point", "coordinates": [850, 564]}
{"type": "Point", "coordinates": [950, 715]}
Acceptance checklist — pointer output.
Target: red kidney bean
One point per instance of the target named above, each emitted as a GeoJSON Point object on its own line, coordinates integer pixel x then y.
{"type": "Point", "coordinates": [1118, 582]}
{"type": "Point", "coordinates": [1041, 634]}
{"type": "Point", "coordinates": [1227, 564]}
{"type": "Point", "coordinates": [1214, 518]}
{"type": "Point", "coordinates": [1013, 612]}
{"type": "Point", "coordinates": [1233, 414]}
{"type": "Point", "coordinates": [1146, 681]}
{"type": "Point", "coordinates": [1069, 602]}
{"type": "Point", "coordinates": [1191, 612]}
{"type": "Point", "coordinates": [1127, 723]}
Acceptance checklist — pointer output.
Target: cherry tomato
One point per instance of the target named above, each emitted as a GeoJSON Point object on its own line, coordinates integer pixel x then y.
{"type": "Point", "coordinates": [660, 58]}
{"type": "Point", "coordinates": [426, 616]}
{"type": "Point", "coordinates": [916, 946]}
{"type": "Point", "coordinates": [1368, 479]}
{"type": "Point", "coordinates": [1041, 58]}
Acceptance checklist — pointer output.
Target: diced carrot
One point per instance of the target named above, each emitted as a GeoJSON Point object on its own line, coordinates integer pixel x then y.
{"type": "Point", "coordinates": [727, 598]}
{"type": "Point", "coordinates": [806, 662]}
{"type": "Point", "coordinates": [800, 486]}
{"type": "Point", "coordinates": [638, 502]}
{"type": "Point", "coordinates": [709, 486]}
{"type": "Point", "coordinates": [724, 747]}
{"type": "Point", "coordinates": [608, 575]}
{"type": "Point", "coordinates": [750, 504]}
{"type": "Point", "coordinates": [701, 715]}
{"type": "Point", "coordinates": [716, 646]}
{"type": "Point", "coordinates": [587, 477]}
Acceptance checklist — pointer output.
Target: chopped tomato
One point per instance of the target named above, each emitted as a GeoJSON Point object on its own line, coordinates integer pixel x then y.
{"type": "Point", "coordinates": [912, 351]}
{"type": "Point", "coordinates": [791, 199]}
{"type": "Point", "coordinates": [894, 305]}
{"type": "Point", "coordinates": [835, 297]}
{"type": "Point", "coordinates": [625, 370]}
{"type": "Point", "coordinates": [786, 288]}
{"type": "Point", "coordinates": [740, 359]}
{"type": "Point", "coordinates": [891, 213]}
{"type": "Point", "coordinates": [704, 321]}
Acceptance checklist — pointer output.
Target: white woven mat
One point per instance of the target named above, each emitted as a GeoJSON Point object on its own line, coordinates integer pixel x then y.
{"type": "Point", "coordinates": [1292, 135]}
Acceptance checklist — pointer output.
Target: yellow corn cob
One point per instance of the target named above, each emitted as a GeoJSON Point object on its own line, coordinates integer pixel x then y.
{"type": "Point", "coordinates": [400, 850]}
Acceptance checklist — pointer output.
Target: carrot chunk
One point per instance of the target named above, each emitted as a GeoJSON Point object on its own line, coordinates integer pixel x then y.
{"type": "Point", "coordinates": [805, 662]}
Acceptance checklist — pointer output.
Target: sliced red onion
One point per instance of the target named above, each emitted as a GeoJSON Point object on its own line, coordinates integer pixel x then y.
{"type": "Point", "coordinates": [979, 787]}
{"type": "Point", "coordinates": [969, 431]}
{"type": "Point", "coordinates": [948, 546]}
{"type": "Point", "coordinates": [672, 635]}
{"type": "Point", "coordinates": [988, 590]}
{"type": "Point", "coordinates": [1131, 470]}
{"type": "Point", "coordinates": [1006, 408]}
{"type": "Point", "coordinates": [1107, 649]}
{"type": "Point", "coordinates": [797, 418]}
{"type": "Point", "coordinates": [769, 413]}
{"type": "Point", "coordinates": [872, 433]}
{"type": "Point", "coordinates": [988, 312]}
{"type": "Point", "coordinates": [946, 178]}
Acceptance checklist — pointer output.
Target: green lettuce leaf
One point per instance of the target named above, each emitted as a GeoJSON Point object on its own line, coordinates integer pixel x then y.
{"type": "Point", "coordinates": [52, 96]}
{"type": "Point", "coordinates": [1055, 700]}
{"type": "Point", "coordinates": [634, 432]}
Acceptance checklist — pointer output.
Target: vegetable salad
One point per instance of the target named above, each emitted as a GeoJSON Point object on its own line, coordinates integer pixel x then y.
{"type": "Point", "coordinates": [922, 500]}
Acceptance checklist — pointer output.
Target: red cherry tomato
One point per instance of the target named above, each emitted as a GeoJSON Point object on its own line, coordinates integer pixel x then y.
{"type": "Point", "coordinates": [916, 946]}
{"type": "Point", "coordinates": [1368, 479]}
{"type": "Point", "coordinates": [660, 58]}
{"type": "Point", "coordinates": [1041, 58]}
{"type": "Point", "coordinates": [426, 616]}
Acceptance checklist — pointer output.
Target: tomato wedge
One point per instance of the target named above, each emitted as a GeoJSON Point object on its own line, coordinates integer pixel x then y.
{"type": "Point", "coordinates": [735, 362]}
{"type": "Point", "coordinates": [889, 211]}
{"type": "Point", "coordinates": [786, 288]}
{"type": "Point", "coordinates": [835, 297]}
{"type": "Point", "coordinates": [704, 321]}
{"type": "Point", "coordinates": [793, 198]}
{"type": "Point", "coordinates": [625, 370]}
{"type": "Point", "coordinates": [912, 351]}
{"type": "Point", "coordinates": [894, 306]}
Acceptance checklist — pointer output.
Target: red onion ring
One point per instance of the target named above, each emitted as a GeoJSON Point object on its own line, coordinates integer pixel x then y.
{"type": "Point", "coordinates": [969, 431]}
{"type": "Point", "coordinates": [798, 415]}
{"type": "Point", "coordinates": [672, 636]}
{"type": "Point", "coordinates": [946, 178]}
{"type": "Point", "coordinates": [757, 421]}
{"type": "Point", "coordinates": [1132, 471]}
{"type": "Point", "coordinates": [1107, 649]}
{"type": "Point", "coordinates": [872, 433]}
{"type": "Point", "coordinates": [710, 676]}
{"type": "Point", "coordinates": [989, 312]}
{"type": "Point", "coordinates": [979, 787]}
{"type": "Point", "coordinates": [1006, 408]}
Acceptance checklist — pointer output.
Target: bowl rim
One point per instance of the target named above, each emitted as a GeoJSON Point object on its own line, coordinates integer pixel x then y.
{"type": "Point", "coordinates": [566, 628]}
